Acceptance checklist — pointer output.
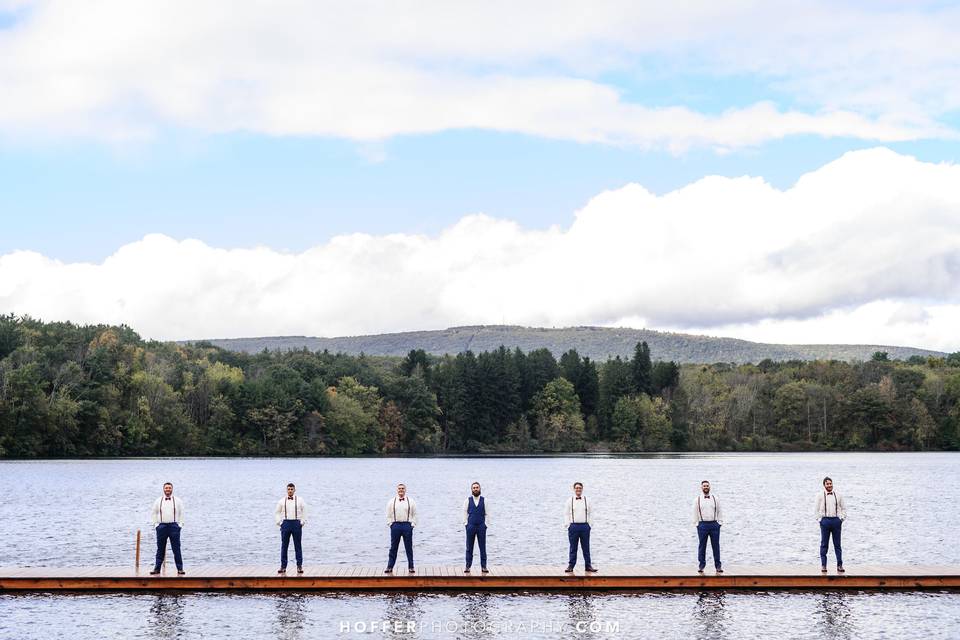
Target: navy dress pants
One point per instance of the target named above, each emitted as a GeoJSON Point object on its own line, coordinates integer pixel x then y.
{"type": "Point", "coordinates": [478, 533]}
{"type": "Point", "coordinates": [291, 529]}
{"type": "Point", "coordinates": [830, 527]}
{"type": "Point", "coordinates": [168, 531]}
{"type": "Point", "coordinates": [579, 532]}
{"type": "Point", "coordinates": [398, 531]}
{"type": "Point", "coordinates": [709, 530]}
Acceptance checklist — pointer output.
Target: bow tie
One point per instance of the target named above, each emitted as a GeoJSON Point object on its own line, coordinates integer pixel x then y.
{"type": "Point", "coordinates": [166, 498]}
{"type": "Point", "coordinates": [579, 498]}
{"type": "Point", "coordinates": [289, 498]}
{"type": "Point", "coordinates": [401, 499]}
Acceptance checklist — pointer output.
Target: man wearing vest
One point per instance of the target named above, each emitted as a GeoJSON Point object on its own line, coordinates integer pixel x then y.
{"type": "Point", "coordinates": [167, 518]}
{"type": "Point", "coordinates": [578, 515]}
{"type": "Point", "coordinates": [475, 521]}
{"type": "Point", "coordinates": [708, 518]}
{"type": "Point", "coordinates": [401, 518]}
{"type": "Point", "coordinates": [831, 512]}
{"type": "Point", "coordinates": [291, 516]}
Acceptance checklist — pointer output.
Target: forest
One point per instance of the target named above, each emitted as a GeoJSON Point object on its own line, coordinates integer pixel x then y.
{"type": "Point", "coordinates": [77, 391]}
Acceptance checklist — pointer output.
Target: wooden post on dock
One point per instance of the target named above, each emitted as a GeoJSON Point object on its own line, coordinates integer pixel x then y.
{"type": "Point", "coordinates": [138, 548]}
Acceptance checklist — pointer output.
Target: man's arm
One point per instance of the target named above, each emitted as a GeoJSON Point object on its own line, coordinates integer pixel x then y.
{"type": "Point", "coordinates": [719, 512]}
{"type": "Point", "coordinates": [390, 511]}
{"type": "Point", "coordinates": [413, 513]}
{"type": "Point", "coordinates": [820, 506]}
{"type": "Point", "coordinates": [303, 511]}
{"type": "Point", "coordinates": [568, 506]}
{"type": "Point", "coordinates": [696, 511]}
{"type": "Point", "coordinates": [466, 511]}
{"type": "Point", "coordinates": [841, 507]}
{"type": "Point", "coordinates": [179, 504]}
{"type": "Point", "coordinates": [155, 512]}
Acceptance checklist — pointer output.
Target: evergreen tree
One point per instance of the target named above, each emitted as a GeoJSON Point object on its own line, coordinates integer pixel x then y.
{"type": "Point", "coordinates": [642, 369]}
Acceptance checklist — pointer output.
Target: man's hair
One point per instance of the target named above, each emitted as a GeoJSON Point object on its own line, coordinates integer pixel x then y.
{"type": "Point", "coordinates": [168, 483]}
{"type": "Point", "coordinates": [703, 482]}
{"type": "Point", "coordinates": [401, 485]}
{"type": "Point", "coordinates": [827, 478]}
{"type": "Point", "coordinates": [290, 484]}
{"type": "Point", "coordinates": [474, 483]}
{"type": "Point", "coordinates": [577, 483]}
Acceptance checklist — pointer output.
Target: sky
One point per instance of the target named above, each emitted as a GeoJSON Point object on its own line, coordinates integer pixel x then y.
{"type": "Point", "coordinates": [774, 171]}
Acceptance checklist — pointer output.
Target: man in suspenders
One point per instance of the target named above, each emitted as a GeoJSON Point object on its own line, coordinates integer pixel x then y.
{"type": "Point", "coordinates": [167, 518]}
{"type": "Point", "coordinates": [291, 516]}
{"type": "Point", "coordinates": [401, 518]}
{"type": "Point", "coordinates": [831, 512]}
{"type": "Point", "coordinates": [577, 515]}
{"type": "Point", "coordinates": [475, 522]}
{"type": "Point", "coordinates": [708, 518]}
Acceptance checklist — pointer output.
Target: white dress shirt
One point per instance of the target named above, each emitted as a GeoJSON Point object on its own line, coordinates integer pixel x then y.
{"type": "Point", "coordinates": [167, 510]}
{"type": "Point", "coordinates": [707, 509]}
{"type": "Point", "coordinates": [401, 510]}
{"type": "Point", "coordinates": [291, 509]}
{"type": "Point", "coordinates": [831, 505]}
{"type": "Point", "coordinates": [577, 510]}
{"type": "Point", "coordinates": [476, 501]}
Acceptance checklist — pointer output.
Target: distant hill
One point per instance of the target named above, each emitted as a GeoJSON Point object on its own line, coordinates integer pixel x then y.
{"type": "Point", "coordinates": [598, 343]}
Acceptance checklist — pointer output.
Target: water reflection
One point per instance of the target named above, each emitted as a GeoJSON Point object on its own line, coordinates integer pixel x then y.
{"type": "Point", "coordinates": [402, 610]}
{"type": "Point", "coordinates": [835, 619]}
{"type": "Point", "coordinates": [582, 615]}
{"type": "Point", "coordinates": [166, 616]}
{"type": "Point", "coordinates": [710, 617]}
{"type": "Point", "coordinates": [475, 615]}
{"type": "Point", "coordinates": [291, 616]}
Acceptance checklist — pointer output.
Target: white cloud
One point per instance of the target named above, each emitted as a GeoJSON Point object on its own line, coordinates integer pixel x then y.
{"type": "Point", "coordinates": [878, 322]}
{"type": "Point", "coordinates": [120, 69]}
{"type": "Point", "coordinates": [867, 248]}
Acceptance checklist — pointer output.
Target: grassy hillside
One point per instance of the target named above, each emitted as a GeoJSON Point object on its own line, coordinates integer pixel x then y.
{"type": "Point", "coordinates": [598, 343]}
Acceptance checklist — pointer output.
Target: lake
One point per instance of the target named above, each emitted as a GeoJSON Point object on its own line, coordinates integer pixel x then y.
{"type": "Point", "coordinates": [69, 513]}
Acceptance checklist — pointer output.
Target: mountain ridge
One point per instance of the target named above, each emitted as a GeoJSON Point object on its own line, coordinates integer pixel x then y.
{"type": "Point", "coordinates": [599, 343]}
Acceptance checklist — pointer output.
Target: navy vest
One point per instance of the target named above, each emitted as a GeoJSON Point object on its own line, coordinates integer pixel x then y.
{"type": "Point", "coordinates": [476, 513]}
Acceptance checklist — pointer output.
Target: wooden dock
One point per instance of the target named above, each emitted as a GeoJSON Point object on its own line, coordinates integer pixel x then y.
{"type": "Point", "coordinates": [503, 578]}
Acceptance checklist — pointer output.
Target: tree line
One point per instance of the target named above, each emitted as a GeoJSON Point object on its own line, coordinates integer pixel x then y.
{"type": "Point", "coordinates": [69, 390]}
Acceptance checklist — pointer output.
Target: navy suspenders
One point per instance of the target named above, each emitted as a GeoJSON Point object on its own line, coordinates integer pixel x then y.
{"type": "Point", "coordinates": [586, 513]}
{"type": "Point", "coordinates": [173, 501]}
{"type": "Point", "coordinates": [296, 514]}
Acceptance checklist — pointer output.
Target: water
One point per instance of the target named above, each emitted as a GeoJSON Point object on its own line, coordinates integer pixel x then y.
{"type": "Point", "coordinates": [69, 513]}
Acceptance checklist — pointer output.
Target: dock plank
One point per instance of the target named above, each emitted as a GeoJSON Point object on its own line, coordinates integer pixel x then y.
{"type": "Point", "coordinates": [439, 577]}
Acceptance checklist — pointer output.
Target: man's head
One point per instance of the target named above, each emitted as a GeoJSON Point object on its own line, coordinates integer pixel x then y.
{"type": "Point", "coordinates": [401, 490]}
{"type": "Point", "coordinates": [291, 489]}
{"type": "Point", "coordinates": [705, 487]}
{"type": "Point", "coordinates": [475, 488]}
{"type": "Point", "coordinates": [578, 488]}
{"type": "Point", "coordinates": [167, 489]}
{"type": "Point", "coordinates": [828, 484]}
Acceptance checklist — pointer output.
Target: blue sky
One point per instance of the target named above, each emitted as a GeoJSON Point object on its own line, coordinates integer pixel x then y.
{"type": "Point", "coordinates": [82, 200]}
{"type": "Point", "coordinates": [287, 130]}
